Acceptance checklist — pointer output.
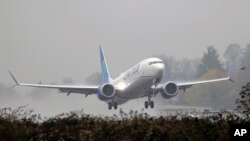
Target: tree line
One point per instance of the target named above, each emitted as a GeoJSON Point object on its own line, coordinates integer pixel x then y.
{"type": "Point", "coordinates": [221, 95]}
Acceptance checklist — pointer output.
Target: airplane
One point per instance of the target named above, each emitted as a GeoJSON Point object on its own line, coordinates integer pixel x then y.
{"type": "Point", "coordinates": [141, 80]}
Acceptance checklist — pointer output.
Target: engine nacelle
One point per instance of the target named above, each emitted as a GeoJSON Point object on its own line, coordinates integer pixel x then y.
{"type": "Point", "coordinates": [106, 92]}
{"type": "Point", "coordinates": [169, 89]}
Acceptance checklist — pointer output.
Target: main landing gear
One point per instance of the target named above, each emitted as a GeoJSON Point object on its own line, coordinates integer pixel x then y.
{"type": "Point", "coordinates": [112, 104]}
{"type": "Point", "coordinates": [149, 103]}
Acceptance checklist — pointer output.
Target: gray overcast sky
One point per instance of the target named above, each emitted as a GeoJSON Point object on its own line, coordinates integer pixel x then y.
{"type": "Point", "coordinates": [51, 39]}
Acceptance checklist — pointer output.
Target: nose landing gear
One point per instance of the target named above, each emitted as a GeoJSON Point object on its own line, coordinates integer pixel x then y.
{"type": "Point", "coordinates": [150, 103]}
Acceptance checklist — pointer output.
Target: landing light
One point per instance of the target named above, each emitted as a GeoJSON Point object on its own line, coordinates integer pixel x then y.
{"type": "Point", "coordinates": [121, 86]}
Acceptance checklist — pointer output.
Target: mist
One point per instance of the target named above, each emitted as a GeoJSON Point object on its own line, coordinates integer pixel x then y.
{"type": "Point", "coordinates": [218, 96]}
{"type": "Point", "coordinates": [57, 42]}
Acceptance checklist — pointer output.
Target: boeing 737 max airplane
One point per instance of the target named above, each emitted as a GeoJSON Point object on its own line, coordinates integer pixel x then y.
{"type": "Point", "coordinates": [142, 80]}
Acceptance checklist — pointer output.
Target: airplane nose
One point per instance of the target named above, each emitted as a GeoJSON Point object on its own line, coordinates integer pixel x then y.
{"type": "Point", "coordinates": [160, 70]}
{"type": "Point", "coordinates": [159, 66]}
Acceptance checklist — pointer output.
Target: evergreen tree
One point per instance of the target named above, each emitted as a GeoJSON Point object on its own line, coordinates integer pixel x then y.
{"type": "Point", "coordinates": [243, 102]}
{"type": "Point", "coordinates": [233, 56]}
{"type": "Point", "coordinates": [210, 60]}
{"type": "Point", "coordinates": [246, 56]}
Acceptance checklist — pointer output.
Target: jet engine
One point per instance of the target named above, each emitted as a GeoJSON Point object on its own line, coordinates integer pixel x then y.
{"type": "Point", "coordinates": [169, 89]}
{"type": "Point", "coordinates": [106, 92]}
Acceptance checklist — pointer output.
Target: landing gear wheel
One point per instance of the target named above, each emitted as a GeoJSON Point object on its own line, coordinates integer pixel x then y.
{"type": "Point", "coordinates": [151, 103]}
{"type": "Point", "coordinates": [110, 105]}
{"type": "Point", "coordinates": [115, 105]}
{"type": "Point", "coordinates": [146, 104]}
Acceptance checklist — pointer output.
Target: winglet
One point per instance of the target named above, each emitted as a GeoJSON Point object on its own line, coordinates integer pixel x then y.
{"type": "Point", "coordinates": [13, 78]}
{"type": "Point", "coordinates": [104, 67]}
{"type": "Point", "coordinates": [229, 75]}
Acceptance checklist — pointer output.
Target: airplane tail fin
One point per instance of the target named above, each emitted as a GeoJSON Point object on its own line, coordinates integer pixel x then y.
{"type": "Point", "coordinates": [105, 71]}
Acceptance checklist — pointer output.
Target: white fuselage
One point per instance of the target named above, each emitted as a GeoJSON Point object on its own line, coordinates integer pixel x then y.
{"type": "Point", "coordinates": [138, 80]}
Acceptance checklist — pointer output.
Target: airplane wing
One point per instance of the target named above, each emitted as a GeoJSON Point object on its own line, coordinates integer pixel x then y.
{"type": "Point", "coordinates": [185, 85]}
{"type": "Point", "coordinates": [62, 88]}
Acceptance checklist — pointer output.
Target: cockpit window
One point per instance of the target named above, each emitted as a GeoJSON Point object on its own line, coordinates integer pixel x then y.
{"type": "Point", "coordinates": [155, 62]}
